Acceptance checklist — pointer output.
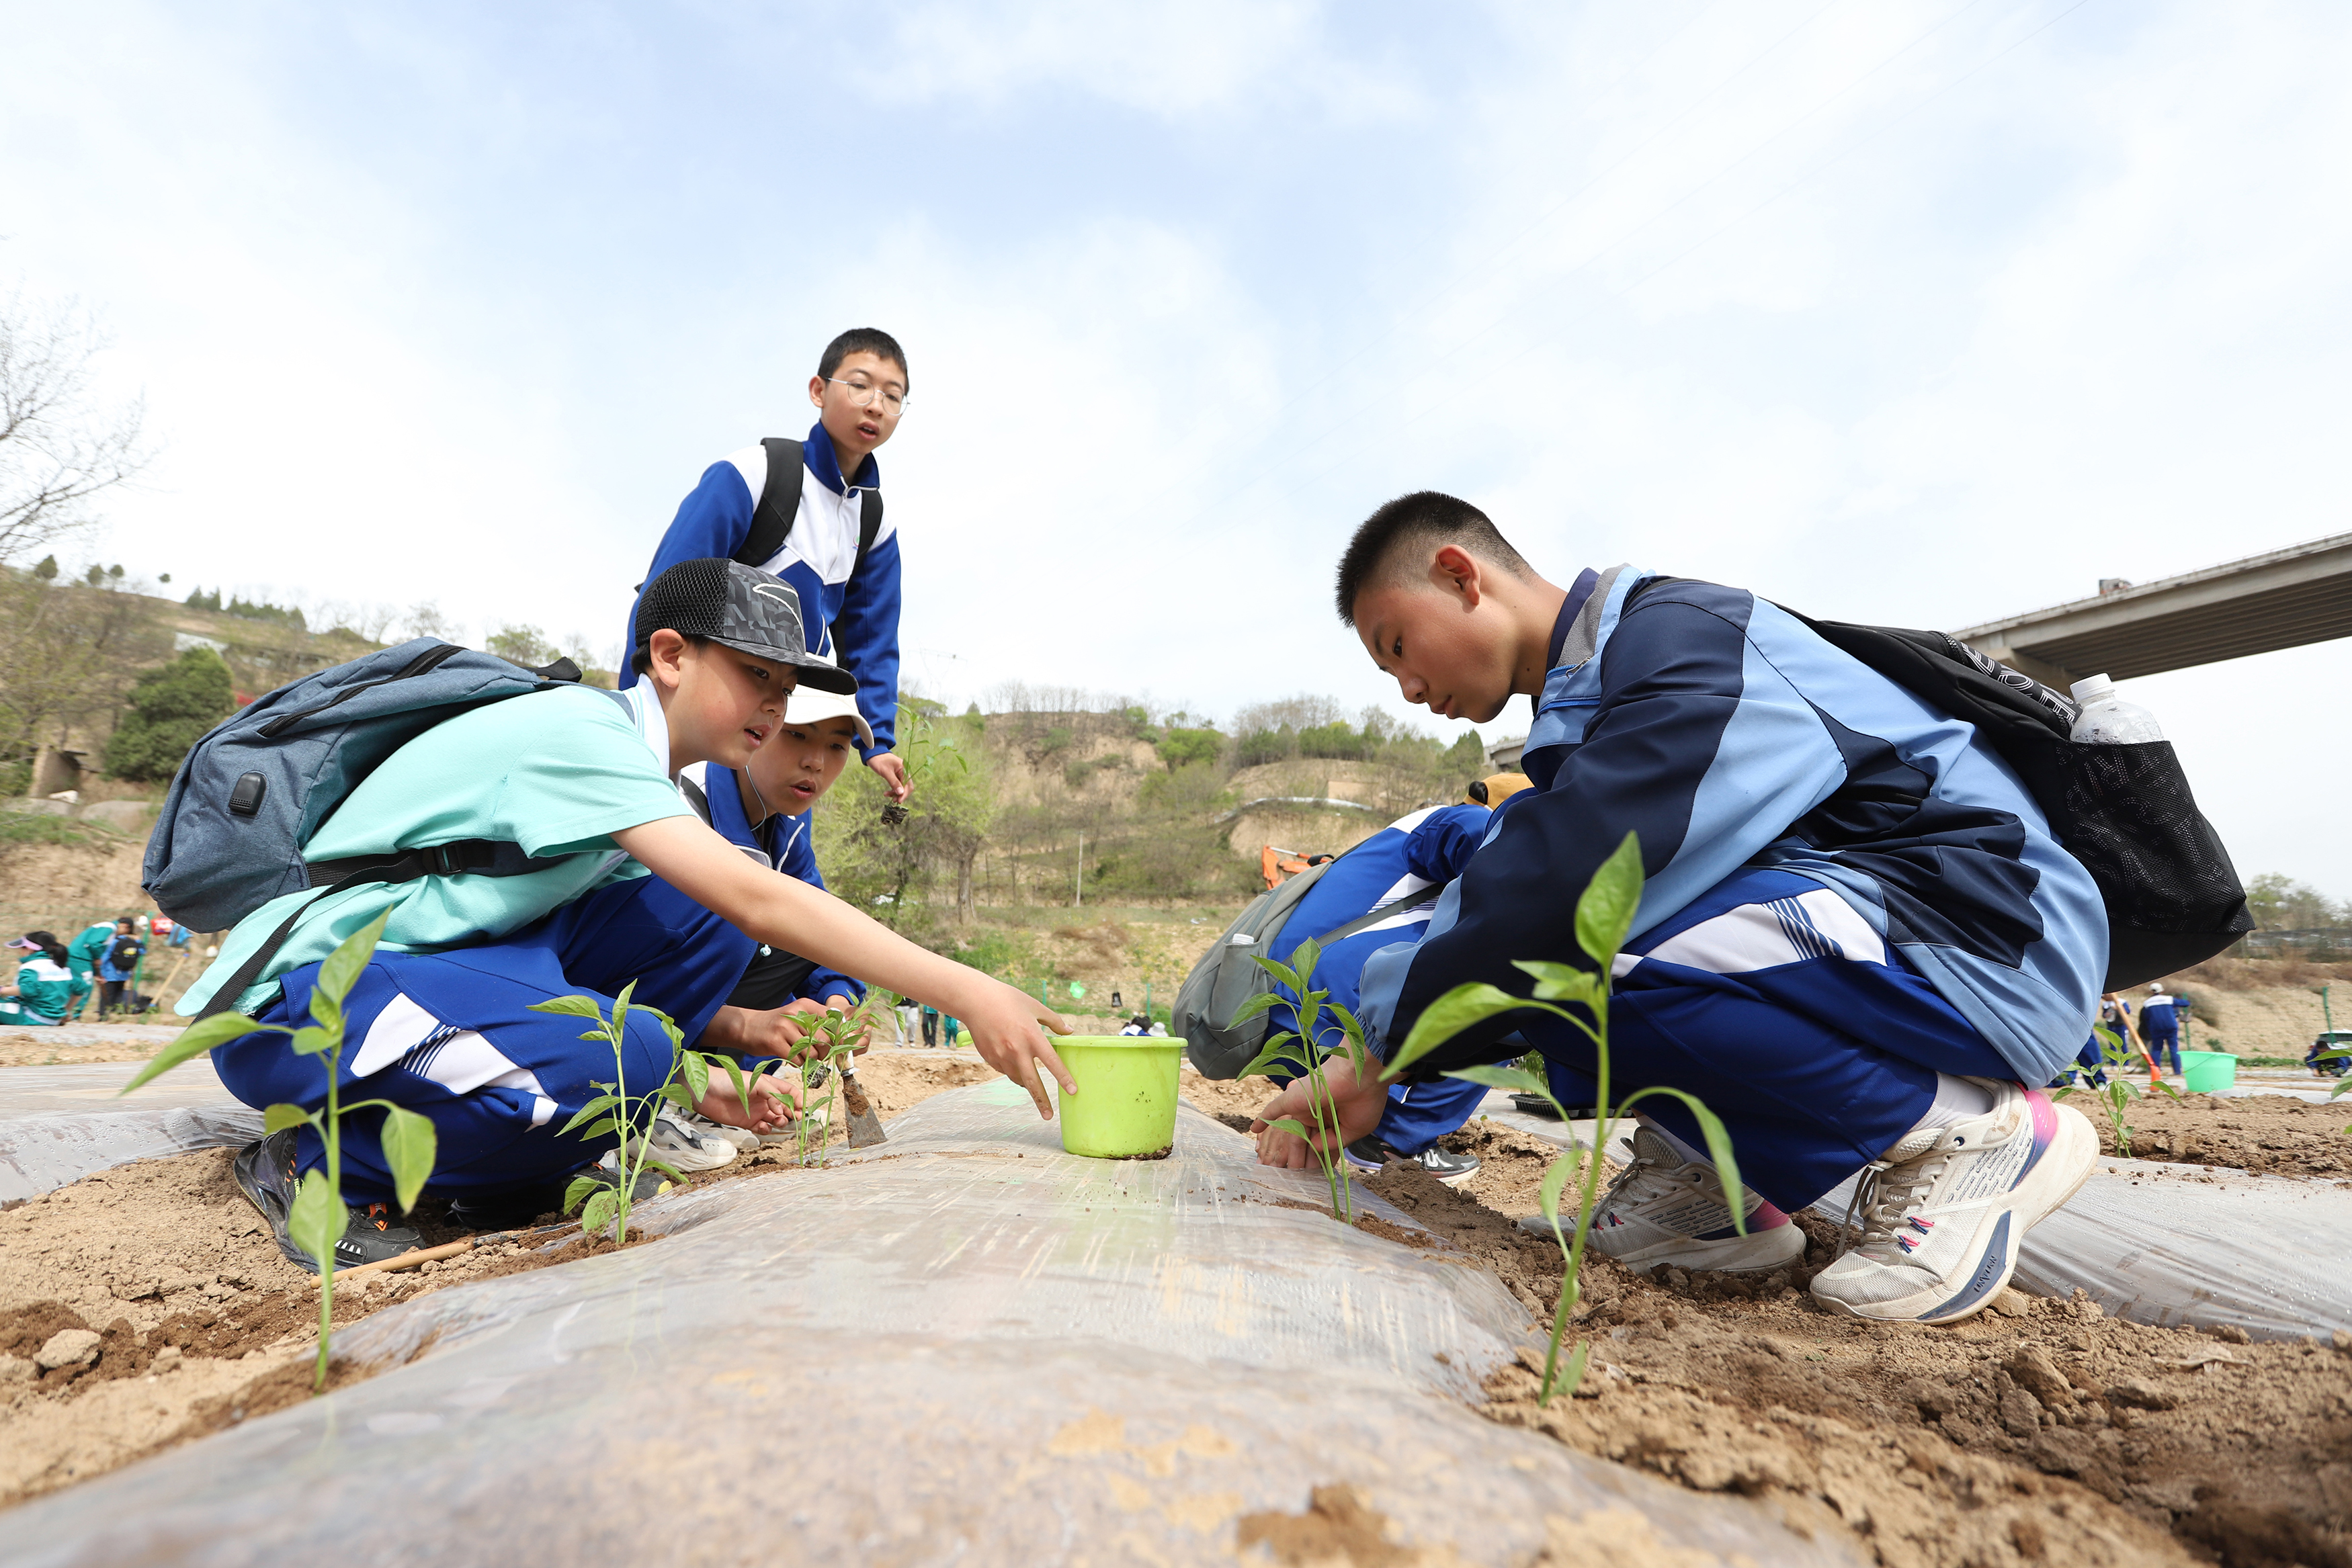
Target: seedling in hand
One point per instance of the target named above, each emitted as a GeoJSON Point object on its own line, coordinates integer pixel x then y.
{"type": "Point", "coordinates": [319, 1217]}
{"type": "Point", "coordinates": [1603, 915]}
{"type": "Point", "coordinates": [1304, 1052]}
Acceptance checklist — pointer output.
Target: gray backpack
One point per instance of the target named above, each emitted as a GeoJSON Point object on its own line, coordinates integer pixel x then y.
{"type": "Point", "coordinates": [257, 786]}
{"type": "Point", "coordinates": [1226, 977]}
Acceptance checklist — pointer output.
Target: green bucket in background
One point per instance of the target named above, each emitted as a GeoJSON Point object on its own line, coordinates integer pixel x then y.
{"type": "Point", "coordinates": [1126, 1103]}
{"type": "Point", "coordinates": [2203, 1071]}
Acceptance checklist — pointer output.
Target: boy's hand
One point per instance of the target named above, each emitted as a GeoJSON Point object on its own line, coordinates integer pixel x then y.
{"type": "Point", "coordinates": [1360, 1107]}
{"type": "Point", "coordinates": [1005, 1027]}
{"type": "Point", "coordinates": [775, 1102]}
{"type": "Point", "coordinates": [893, 773]}
{"type": "Point", "coordinates": [779, 1032]}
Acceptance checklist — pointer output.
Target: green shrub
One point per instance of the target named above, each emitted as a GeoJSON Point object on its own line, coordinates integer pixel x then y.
{"type": "Point", "coordinates": [1183, 748]}
{"type": "Point", "coordinates": [171, 708]}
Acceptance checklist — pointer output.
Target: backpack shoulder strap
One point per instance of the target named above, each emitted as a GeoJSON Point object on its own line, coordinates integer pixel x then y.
{"type": "Point", "coordinates": [780, 503]}
{"type": "Point", "coordinates": [869, 528]}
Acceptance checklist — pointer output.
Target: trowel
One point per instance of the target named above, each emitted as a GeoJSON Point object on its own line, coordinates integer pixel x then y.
{"type": "Point", "coordinates": [858, 1111]}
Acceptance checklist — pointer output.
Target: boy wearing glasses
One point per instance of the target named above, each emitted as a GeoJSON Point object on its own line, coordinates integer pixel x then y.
{"type": "Point", "coordinates": [833, 545]}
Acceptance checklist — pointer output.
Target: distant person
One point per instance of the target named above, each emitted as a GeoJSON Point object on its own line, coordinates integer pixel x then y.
{"type": "Point", "coordinates": [2159, 1023]}
{"type": "Point", "coordinates": [46, 988]}
{"type": "Point", "coordinates": [1138, 1024]}
{"type": "Point", "coordinates": [118, 966]}
{"type": "Point", "coordinates": [82, 955]}
{"type": "Point", "coordinates": [2319, 1061]}
{"type": "Point", "coordinates": [951, 1027]}
{"type": "Point", "coordinates": [833, 544]}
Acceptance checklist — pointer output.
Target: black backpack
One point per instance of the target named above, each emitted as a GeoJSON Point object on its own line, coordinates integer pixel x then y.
{"type": "Point", "coordinates": [780, 504]}
{"type": "Point", "coordinates": [126, 952]}
{"type": "Point", "coordinates": [2125, 812]}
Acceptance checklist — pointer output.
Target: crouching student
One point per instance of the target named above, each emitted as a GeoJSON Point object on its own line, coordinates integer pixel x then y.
{"type": "Point", "coordinates": [440, 1019]}
{"type": "Point", "coordinates": [1857, 942]}
{"type": "Point", "coordinates": [47, 987]}
{"type": "Point", "coordinates": [1383, 892]}
{"type": "Point", "coordinates": [763, 810]}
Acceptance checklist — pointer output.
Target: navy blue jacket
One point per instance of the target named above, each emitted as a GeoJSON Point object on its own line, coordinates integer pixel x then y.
{"type": "Point", "coordinates": [1730, 735]}
{"type": "Point", "coordinates": [853, 620]}
{"type": "Point", "coordinates": [783, 843]}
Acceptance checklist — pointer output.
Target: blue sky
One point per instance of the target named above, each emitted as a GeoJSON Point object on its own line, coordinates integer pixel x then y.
{"type": "Point", "coordinates": [1915, 313]}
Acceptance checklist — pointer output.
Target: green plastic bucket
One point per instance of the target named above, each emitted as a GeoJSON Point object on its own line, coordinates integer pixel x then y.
{"type": "Point", "coordinates": [1126, 1104]}
{"type": "Point", "coordinates": [2203, 1071]}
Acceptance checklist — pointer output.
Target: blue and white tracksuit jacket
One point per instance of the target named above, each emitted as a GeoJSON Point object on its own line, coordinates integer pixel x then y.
{"type": "Point", "coordinates": [1404, 867]}
{"type": "Point", "coordinates": [853, 621]}
{"type": "Point", "coordinates": [1851, 890]}
{"type": "Point", "coordinates": [782, 843]}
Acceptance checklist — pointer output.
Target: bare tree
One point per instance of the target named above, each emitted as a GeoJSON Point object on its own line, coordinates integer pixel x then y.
{"type": "Point", "coordinates": [57, 448]}
{"type": "Point", "coordinates": [426, 620]}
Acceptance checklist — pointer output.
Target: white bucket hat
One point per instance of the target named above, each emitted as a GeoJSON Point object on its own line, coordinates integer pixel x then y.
{"type": "Point", "coordinates": [807, 705]}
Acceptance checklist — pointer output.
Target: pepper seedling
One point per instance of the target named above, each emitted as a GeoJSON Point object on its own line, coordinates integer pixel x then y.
{"type": "Point", "coordinates": [1604, 914]}
{"type": "Point", "coordinates": [2115, 1063]}
{"type": "Point", "coordinates": [318, 1218]}
{"type": "Point", "coordinates": [1317, 1048]}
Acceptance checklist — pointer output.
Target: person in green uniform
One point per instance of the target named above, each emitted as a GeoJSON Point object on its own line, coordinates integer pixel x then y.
{"type": "Point", "coordinates": [46, 986]}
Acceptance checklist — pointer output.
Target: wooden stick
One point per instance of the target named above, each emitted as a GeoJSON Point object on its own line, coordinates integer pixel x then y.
{"type": "Point", "coordinates": [424, 1255]}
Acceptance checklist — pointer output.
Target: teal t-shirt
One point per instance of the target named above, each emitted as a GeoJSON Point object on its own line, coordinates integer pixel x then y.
{"type": "Point", "coordinates": [92, 944]}
{"type": "Point", "coordinates": [558, 772]}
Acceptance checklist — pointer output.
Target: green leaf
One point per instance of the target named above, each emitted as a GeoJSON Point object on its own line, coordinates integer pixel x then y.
{"type": "Point", "coordinates": [409, 1147]}
{"type": "Point", "coordinates": [1555, 1178]}
{"type": "Point", "coordinates": [735, 1072]}
{"type": "Point", "coordinates": [677, 1094]}
{"type": "Point", "coordinates": [1282, 972]}
{"type": "Point", "coordinates": [277, 1118]}
{"type": "Point", "coordinates": [1564, 983]}
{"type": "Point", "coordinates": [1255, 1005]}
{"type": "Point", "coordinates": [1510, 1080]}
{"type": "Point", "coordinates": [327, 1010]}
{"type": "Point", "coordinates": [340, 969]}
{"type": "Point", "coordinates": [1303, 960]}
{"type": "Point", "coordinates": [577, 1193]}
{"type": "Point", "coordinates": [609, 1128]}
{"type": "Point", "coordinates": [191, 1041]}
{"type": "Point", "coordinates": [600, 1210]}
{"type": "Point", "coordinates": [1273, 1060]}
{"type": "Point", "coordinates": [1290, 1125]}
{"type": "Point", "coordinates": [309, 1041]}
{"type": "Point", "coordinates": [698, 1076]}
{"type": "Point", "coordinates": [601, 1102]}
{"type": "Point", "coordinates": [1571, 1375]}
{"type": "Point", "coordinates": [315, 1222]}
{"type": "Point", "coordinates": [1605, 913]}
{"type": "Point", "coordinates": [621, 1009]}
{"type": "Point", "coordinates": [1448, 1016]}
{"type": "Point", "coordinates": [669, 1170]}
{"type": "Point", "coordinates": [1718, 1147]}
{"type": "Point", "coordinates": [582, 1006]}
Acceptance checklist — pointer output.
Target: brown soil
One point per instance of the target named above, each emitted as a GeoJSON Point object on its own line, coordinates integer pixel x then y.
{"type": "Point", "coordinates": [42, 1048]}
{"type": "Point", "coordinates": [2267, 1133]}
{"type": "Point", "coordinates": [203, 1323]}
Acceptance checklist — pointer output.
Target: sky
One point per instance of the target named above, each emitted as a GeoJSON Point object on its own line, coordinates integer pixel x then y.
{"type": "Point", "coordinates": [1913, 313]}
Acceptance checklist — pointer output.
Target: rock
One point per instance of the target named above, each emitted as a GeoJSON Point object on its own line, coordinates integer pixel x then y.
{"type": "Point", "coordinates": [2058, 1455]}
{"type": "Point", "coordinates": [2032, 1368]}
{"type": "Point", "coordinates": [2010, 1302]}
{"type": "Point", "coordinates": [15, 1369]}
{"type": "Point", "coordinates": [128, 816]}
{"type": "Point", "coordinates": [2342, 1342]}
{"type": "Point", "coordinates": [2140, 1396]}
{"type": "Point", "coordinates": [32, 807]}
{"type": "Point", "coordinates": [1934, 1399]}
{"type": "Point", "coordinates": [167, 1358]}
{"type": "Point", "coordinates": [68, 1347]}
{"type": "Point", "coordinates": [2021, 1413]}
{"type": "Point", "coordinates": [2231, 1333]}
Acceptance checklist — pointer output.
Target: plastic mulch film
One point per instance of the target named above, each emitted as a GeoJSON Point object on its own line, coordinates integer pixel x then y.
{"type": "Point", "coordinates": [2194, 1246]}
{"type": "Point", "coordinates": [965, 1346]}
{"type": "Point", "coordinates": [58, 1125]}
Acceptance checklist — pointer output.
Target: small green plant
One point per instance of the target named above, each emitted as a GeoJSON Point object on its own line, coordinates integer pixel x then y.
{"type": "Point", "coordinates": [1314, 1047]}
{"type": "Point", "coordinates": [319, 1217]}
{"type": "Point", "coordinates": [1603, 915]}
{"type": "Point", "coordinates": [829, 1039]}
{"type": "Point", "coordinates": [2119, 1062]}
{"type": "Point", "coordinates": [614, 1114]}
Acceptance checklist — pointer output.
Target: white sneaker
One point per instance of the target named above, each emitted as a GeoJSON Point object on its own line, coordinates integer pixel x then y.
{"type": "Point", "coordinates": [682, 1148]}
{"type": "Point", "coordinates": [1943, 1212]}
{"type": "Point", "coordinates": [744, 1138]}
{"type": "Point", "coordinates": [1665, 1210]}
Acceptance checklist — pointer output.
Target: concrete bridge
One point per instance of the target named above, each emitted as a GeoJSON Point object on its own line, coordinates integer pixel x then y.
{"type": "Point", "coordinates": [2284, 599]}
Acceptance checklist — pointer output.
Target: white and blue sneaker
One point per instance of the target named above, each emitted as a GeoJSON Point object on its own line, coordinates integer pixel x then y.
{"type": "Point", "coordinates": [1943, 1212]}
{"type": "Point", "coordinates": [1665, 1210]}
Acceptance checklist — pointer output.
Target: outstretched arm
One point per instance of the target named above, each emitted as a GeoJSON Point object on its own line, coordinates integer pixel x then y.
{"type": "Point", "coordinates": [785, 913]}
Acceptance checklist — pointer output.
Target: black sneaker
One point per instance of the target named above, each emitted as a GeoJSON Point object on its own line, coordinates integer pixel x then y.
{"type": "Point", "coordinates": [266, 1174]}
{"type": "Point", "coordinates": [516, 1208]}
{"type": "Point", "coordinates": [1371, 1154]}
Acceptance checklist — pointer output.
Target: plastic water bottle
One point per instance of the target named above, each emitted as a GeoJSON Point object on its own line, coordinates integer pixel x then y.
{"type": "Point", "coordinates": [2108, 720]}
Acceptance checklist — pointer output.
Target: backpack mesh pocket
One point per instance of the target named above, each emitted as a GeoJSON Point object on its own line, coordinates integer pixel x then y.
{"type": "Point", "coordinates": [2133, 822]}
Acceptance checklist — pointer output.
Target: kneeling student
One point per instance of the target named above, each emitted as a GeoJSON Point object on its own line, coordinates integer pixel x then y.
{"type": "Point", "coordinates": [1381, 892]}
{"type": "Point", "coordinates": [1858, 941]}
{"type": "Point", "coordinates": [440, 1019]}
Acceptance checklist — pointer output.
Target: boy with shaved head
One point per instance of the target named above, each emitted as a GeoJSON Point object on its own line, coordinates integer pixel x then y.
{"type": "Point", "coordinates": [1857, 943]}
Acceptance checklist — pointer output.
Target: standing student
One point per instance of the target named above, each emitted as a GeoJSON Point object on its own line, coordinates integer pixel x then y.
{"type": "Point", "coordinates": [117, 966]}
{"type": "Point", "coordinates": [834, 544]}
{"type": "Point", "coordinates": [82, 956]}
{"type": "Point", "coordinates": [2159, 1023]}
{"type": "Point", "coordinates": [443, 1015]}
{"type": "Point", "coordinates": [1857, 941]}
{"type": "Point", "coordinates": [46, 988]}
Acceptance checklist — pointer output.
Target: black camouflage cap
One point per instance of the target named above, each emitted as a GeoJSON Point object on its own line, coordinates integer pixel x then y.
{"type": "Point", "coordinates": [739, 607]}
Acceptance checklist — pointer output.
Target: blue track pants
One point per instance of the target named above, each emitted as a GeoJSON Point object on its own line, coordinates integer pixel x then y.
{"type": "Point", "coordinates": [452, 1037]}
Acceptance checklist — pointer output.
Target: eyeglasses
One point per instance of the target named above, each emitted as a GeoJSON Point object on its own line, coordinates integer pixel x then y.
{"type": "Point", "coordinates": [863, 393]}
